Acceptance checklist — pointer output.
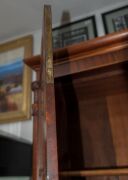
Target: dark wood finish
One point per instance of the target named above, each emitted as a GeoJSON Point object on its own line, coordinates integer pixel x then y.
{"type": "Point", "coordinates": [88, 55]}
{"type": "Point", "coordinates": [45, 163]}
{"type": "Point", "coordinates": [110, 172]}
{"type": "Point", "coordinates": [37, 131]}
{"type": "Point", "coordinates": [49, 99]}
{"type": "Point", "coordinates": [118, 117]}
{"type": "Point", "coordinates": [91, 92]}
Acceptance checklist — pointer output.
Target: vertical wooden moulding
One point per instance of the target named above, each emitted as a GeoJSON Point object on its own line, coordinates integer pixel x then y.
{"type": "Point", "coordinates": [45, 161]}
{"type": "Point", "coordinates": [49, 98]}
{"type": "Point", "coordinates": [35, 113]}
{"type": "Point", "coordinates": [35, 132]}
{"type": "Point", "coordinates": [38, 168]}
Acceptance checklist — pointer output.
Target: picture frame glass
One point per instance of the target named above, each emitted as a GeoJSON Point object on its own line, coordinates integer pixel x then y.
{"type": "Point", "coordinates": [116, 20]}
{"type": "Point", "coordinates": [15, 79]}
{"type": "Point", "coordinates": [74, 33]}
{"type": "Point", "coordinates": [11, 85]}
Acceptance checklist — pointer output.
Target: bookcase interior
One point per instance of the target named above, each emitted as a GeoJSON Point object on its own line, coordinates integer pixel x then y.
{"type": "Point", "coordinates": [92, 121]}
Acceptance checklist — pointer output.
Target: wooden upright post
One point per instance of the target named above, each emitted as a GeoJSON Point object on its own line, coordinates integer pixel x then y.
{"type": "Point", "coordinates": [45, 162]}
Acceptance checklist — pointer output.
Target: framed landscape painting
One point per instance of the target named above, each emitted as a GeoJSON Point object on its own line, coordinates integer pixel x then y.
{"type": "Point", "coordinates": [15, 79]}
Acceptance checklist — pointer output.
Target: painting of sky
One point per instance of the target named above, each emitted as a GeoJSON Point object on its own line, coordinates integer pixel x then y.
{"type": "Point", "coordinates": [11, 75]}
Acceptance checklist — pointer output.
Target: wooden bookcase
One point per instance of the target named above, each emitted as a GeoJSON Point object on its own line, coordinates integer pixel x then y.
{"type": "Point", "coordinates": [91, 92]}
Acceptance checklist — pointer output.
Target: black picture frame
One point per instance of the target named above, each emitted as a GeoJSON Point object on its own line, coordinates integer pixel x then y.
{"type": "Point", "coordinates": [75, 32]}
{"type": "Point", "coordinates": [115, 20]}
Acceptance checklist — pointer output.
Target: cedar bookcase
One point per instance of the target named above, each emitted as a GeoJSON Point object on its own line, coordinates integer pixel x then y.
{"type": "Point", "coordinates": [91, 93]}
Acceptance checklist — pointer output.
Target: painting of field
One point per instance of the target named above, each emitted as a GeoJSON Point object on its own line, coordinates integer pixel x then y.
{"type": "Point", "coordinates": [11, 75]}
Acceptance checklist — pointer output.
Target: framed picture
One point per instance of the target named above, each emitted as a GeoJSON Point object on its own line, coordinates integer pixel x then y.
{"type": "Point", "coordinates": [74, 32]}
{"type": "Point", "coordinates": [115, 20]}
{"type": "Point", "coordinates": [15, 79]}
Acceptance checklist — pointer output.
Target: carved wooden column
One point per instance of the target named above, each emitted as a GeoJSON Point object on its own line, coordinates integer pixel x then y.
{"type": "Point", "coordinates": [45, 162]}
{"type": "Point", "coordinates": [37, 167]}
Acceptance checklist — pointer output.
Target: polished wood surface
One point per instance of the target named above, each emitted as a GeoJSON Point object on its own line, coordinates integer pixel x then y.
{"type": "Point", "coordinates": [48, 98]}
{"type": "Point", "coordinates": [91, 96]}
{"type": "Point", "coordinates": [92, 131]}
{"type": "Point", "coordinates": [45, 165]}
{"type": "Point", "coordinates": [107, 172]}
{"type": "Point", "coordinates": [87, 55]}
{"type": "Point", "coordinates": [118, 116]}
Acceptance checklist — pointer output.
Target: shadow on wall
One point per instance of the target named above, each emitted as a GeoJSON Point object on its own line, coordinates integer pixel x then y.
{"type": "Point", "coordinates": [65, 18]}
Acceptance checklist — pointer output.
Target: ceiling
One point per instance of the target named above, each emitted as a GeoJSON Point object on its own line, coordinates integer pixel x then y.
{"type": "Point", "coordinates": [19, 17]}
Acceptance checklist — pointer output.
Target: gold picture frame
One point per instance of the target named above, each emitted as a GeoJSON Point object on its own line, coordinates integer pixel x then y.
{"type": "Point", "coordinates": [15, 79]}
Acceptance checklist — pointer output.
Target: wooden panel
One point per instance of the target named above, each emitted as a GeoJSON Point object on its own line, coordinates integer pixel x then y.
{"type": "Point", "coordinates": [85, 123]}
{"type": "Point", "coordinates": [68, 125]}
{"type": "Point", "coordinates": [96, 53]}
{"type": "Point", "coordinates": [102, 82]}
{"type": "Point", "coordinates": [103, 178]}
{"type": "Point", "coordinates": [83, 109]}
{"type": "Point", "coordinates": [96, 178]}
{"type": "Point", "coordinates": [61, 118]}
{"type": "Point", "coordinates": [97, 141]}
{"type": "Point", "coordinates": [118, 115]}
{"type": "Point", "coordinates": [81, 63]}
{"type": "Point", "coordinates": [95, 172]}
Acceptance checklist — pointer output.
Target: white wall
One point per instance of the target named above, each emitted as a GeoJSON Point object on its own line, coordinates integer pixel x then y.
{"type": "Point", "coordinates": [26, 126]}
{"type": "Point", "coordinates": [24, 129]}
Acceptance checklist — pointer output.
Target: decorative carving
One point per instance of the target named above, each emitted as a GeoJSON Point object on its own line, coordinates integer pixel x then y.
{"type": "Point", "coordinates": [35, 109]}
{"type": "Point", "coordinates": [49, 70]}
{"type": "Point", "coordinates": [35, 85]}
